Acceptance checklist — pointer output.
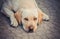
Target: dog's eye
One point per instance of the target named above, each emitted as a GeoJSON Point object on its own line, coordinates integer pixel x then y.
{"type": "Point", "coordinates": [35, 18]}
{"type": "Point", "coordinates": [26, 19]}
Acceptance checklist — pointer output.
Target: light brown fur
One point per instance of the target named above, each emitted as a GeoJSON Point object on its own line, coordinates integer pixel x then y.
{"type": "Point", "coordinates": [18, 16]}
{"type": "Point", "coordinates": [19, 19]}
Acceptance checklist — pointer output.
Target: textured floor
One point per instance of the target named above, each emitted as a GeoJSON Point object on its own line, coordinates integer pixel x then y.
{"type": "Point", "coordinates": [47, 30]}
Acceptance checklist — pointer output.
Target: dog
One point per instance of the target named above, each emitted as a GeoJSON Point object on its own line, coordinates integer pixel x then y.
{"type": "Point", "coordinates": [25, 11]}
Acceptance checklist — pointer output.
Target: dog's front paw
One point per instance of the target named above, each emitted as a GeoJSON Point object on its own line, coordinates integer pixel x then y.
{"type": "Point", "coordinates": [14, 22]}
{"type": "Point", "coordinates": [46, 18]}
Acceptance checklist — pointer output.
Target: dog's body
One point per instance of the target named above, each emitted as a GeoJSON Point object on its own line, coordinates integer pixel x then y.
{"type": "Point", "coordinates": [25, 11]}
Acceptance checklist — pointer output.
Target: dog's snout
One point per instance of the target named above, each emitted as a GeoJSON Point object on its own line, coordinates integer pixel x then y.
{"type": "Point", "coordinates": [30, 29]}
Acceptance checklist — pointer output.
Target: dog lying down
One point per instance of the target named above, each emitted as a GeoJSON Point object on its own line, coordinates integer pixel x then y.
{"type": "Point", "coordinates": [25, 12]}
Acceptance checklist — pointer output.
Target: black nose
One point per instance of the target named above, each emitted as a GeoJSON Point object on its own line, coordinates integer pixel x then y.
{"type": "Point", "coordinates": [30, 29]}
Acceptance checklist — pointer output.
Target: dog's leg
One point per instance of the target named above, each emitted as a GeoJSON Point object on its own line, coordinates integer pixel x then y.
{"type": "Point", "coordinates": [45, 17]}
{"type": "Point", "coordinates": [10, 14]}
{"type": "Point", "coordinates": [42, 16]}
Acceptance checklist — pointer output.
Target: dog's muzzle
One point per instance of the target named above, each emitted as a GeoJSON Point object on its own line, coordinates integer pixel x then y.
{"type": "Point", "coordinates": [30, 29]}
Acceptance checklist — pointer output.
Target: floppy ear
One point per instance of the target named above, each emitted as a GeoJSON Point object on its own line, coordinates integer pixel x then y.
{"type": "Point", "coordinates": [18, 16]}
{"type": "Point", "coordinates": [40, 16]}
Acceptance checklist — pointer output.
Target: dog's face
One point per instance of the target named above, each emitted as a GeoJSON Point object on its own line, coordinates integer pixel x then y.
{"type": "Point", "coordinates": [29, 19]}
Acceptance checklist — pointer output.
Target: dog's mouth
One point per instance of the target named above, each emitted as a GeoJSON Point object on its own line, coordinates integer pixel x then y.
{"type": "Point", "coordinates": [29, 29]}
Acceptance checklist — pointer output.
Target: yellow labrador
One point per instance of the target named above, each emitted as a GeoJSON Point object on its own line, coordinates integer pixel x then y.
{"type": "Point", "coordinates": [25, 11]}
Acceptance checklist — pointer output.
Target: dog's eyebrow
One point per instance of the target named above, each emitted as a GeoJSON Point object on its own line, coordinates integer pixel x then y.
{"type": "Point", "coordinates": [26, 19]}
{"type": "Point", "coordinates": [35, 18]}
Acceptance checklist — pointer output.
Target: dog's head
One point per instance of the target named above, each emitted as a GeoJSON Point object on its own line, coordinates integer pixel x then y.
{"type": "Point", "coordinates": [30, 18]}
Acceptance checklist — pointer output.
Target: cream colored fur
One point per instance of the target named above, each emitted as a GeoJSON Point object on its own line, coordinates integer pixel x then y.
{"type": "Point", "coordinates": [27, 8]}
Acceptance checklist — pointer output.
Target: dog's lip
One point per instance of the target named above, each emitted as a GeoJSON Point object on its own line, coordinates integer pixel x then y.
{"type": "Point", "coordinates": [28, 31]}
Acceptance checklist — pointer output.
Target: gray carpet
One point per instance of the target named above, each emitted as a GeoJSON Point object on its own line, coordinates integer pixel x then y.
{"type": "Point", "coordinates": [47, 30]}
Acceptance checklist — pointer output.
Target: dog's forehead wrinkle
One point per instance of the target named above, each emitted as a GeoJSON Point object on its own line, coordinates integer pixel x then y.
{"type": "Point", "coordinates": [29, 12]}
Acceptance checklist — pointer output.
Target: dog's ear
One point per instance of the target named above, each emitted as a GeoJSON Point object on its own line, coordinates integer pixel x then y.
{"type": "Point", "coordinates": [18, 16]}
{"type": "Point", "coordinates": [40, 16]}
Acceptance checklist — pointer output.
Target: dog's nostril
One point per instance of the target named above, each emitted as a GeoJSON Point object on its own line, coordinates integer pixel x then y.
{"type": "Point", "coordinates": [30, 29]}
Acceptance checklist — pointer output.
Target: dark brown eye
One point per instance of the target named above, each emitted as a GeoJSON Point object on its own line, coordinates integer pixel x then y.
{"type": "Point", "coordinates": [35, 18]}
{"type": "Point", "coordinates": [26, 19]}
